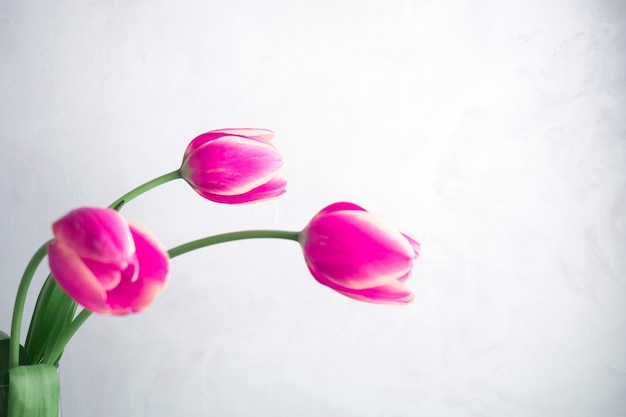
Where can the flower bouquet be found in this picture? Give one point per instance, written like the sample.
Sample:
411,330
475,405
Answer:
106,265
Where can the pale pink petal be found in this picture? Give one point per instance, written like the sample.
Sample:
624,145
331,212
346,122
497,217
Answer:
404,277
414,243
264,134
273,188
394,292
75,278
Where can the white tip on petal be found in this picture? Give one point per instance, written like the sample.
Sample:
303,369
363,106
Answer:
264,134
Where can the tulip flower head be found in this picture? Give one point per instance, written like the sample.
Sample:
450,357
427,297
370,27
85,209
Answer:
234,166
359,254
105,264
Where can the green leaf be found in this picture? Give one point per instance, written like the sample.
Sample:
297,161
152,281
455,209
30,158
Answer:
62,322
54,311
33,391
4,356
3,335
4,365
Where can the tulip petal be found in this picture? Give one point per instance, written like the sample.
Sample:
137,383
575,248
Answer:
200,141
263,134
356,249
404,277
96,233
232,165
394,292
414,243
359,254
108,283
107,275
75,278
135,293
341,206
151,255
273,188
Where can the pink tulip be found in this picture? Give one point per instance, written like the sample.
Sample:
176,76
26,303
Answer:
234,166
106,264
359,254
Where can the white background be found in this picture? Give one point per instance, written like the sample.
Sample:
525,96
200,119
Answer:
493,131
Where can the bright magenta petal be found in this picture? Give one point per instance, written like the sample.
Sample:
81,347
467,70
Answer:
232,165
127,283
260,135
96,233
357,249
108,276
359,254
135,292
200,141
151,256
341,206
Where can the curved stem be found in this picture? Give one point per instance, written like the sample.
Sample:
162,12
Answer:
42,309
69,331
170,176
20,300
39,255
65,336
228,237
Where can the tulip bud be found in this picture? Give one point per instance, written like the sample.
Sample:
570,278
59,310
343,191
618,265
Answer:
105,264
234,166
359,254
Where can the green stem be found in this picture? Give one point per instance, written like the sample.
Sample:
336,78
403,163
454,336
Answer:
170,176
20,300
228,237
32,266
65,336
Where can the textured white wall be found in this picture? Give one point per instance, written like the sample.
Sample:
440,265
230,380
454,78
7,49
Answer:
492,130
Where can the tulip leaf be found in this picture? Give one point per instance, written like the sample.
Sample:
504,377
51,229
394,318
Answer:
33,391
4,356
3,335
4,364
66,312
54,311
